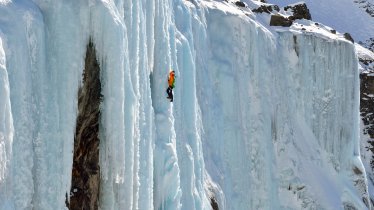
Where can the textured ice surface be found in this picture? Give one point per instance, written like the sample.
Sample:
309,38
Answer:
262,118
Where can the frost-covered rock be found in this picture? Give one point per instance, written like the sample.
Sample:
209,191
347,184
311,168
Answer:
368,6
266,8
342,15
348,37
279,20
366,58
299,11
369,44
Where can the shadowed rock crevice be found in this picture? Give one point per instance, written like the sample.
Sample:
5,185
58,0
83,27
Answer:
214,203
85,185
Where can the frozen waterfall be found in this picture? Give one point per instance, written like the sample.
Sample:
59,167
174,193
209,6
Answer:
263,117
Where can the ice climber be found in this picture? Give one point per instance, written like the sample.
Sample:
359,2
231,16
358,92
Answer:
171,81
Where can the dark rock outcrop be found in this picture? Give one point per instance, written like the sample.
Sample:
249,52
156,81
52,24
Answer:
367,115
365,62
240,4
348,37
84,194
214,203
278,20
300,11
367,105
266,8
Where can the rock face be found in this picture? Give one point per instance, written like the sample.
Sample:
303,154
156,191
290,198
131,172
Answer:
348,37
367,6
367,105
278,20
367,111
369,44
300,11
85,185
266,8
239,4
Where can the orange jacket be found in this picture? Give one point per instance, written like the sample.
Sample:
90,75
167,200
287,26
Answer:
171,79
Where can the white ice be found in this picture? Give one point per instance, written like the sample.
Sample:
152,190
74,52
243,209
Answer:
263,117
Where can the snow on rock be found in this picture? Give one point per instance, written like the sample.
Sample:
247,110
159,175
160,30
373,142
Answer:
367,5
366,58
263,117
342,15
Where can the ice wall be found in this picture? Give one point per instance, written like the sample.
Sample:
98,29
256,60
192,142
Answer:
261,119
322,132
275,114
6,129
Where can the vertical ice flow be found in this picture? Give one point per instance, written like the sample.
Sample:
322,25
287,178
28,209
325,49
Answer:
6,131
261,119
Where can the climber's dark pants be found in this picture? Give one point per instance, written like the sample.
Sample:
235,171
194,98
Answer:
169,91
